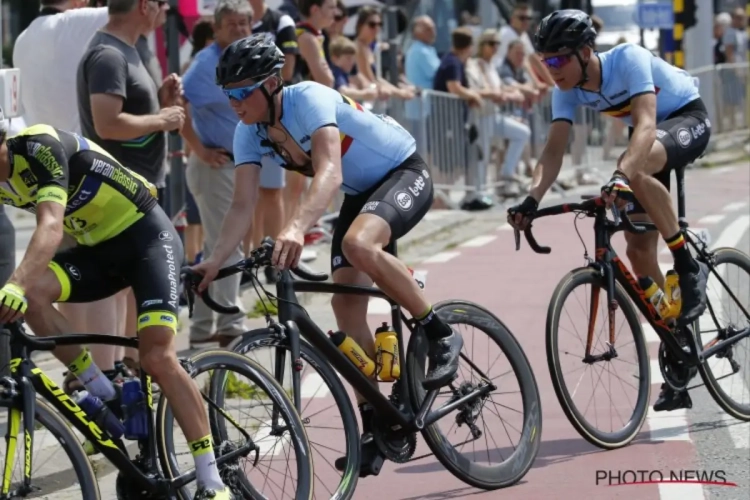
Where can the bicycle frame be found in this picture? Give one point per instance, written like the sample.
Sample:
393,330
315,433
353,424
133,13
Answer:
297,322
32,380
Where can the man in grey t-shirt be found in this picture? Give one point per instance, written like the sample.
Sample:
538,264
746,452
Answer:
120,105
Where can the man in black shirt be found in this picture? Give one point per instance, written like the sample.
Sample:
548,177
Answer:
282,27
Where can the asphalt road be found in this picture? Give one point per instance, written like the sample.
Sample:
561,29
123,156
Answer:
516,286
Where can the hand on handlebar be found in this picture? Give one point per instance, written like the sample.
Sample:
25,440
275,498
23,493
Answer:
617,191
520,215
288,248
208,269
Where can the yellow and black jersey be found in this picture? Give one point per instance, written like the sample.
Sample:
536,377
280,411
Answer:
101,197
302,70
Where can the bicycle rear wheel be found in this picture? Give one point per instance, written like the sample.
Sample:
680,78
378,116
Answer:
51,480
723,374
326,409
470,467
257,394
599,345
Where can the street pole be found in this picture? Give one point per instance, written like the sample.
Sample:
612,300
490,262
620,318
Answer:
177,169
695,41
392,30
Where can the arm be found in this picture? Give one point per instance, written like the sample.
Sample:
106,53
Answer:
455,87
363,64
239,218
286,39
643,114
326,161
310,51
550,162
535,67
43,245
368,94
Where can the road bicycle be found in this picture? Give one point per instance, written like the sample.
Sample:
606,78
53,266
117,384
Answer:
682,352
154,471
409,407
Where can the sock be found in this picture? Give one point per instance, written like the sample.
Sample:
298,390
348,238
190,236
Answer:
206,473
683,261
365,411
92,377
433,326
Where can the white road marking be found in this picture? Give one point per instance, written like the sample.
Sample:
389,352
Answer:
505,227
441,257
479,241
656,378
378,306
712,219
733,207
313,386
681,491
732,234
668,425
734,386
721,170
649,334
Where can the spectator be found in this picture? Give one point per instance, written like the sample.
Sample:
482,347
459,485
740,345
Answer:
520,20
317,16
291,9
513,73
48,52
734,79
343,56
486,80
340,18
210,170
269,212
202,37
119,102
721,23
422,62
367,31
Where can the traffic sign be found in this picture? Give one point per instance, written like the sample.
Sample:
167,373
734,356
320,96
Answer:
655,15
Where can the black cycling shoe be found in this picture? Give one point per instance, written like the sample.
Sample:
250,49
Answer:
669,399
693,290
371,459
443,360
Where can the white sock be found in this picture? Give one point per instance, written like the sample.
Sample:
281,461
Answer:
92,377
206,472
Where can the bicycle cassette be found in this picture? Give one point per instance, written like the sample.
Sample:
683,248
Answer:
675,373
398,448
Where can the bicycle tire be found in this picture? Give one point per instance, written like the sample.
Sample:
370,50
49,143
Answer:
608,441
265,337
223,360
518,464
740,412
60,429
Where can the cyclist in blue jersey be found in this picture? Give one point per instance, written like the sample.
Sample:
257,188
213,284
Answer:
669,128
314,130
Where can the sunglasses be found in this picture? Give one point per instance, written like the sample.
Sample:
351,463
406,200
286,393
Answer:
374,24
242,93
492,43
525,18
160,3
339,17
557,62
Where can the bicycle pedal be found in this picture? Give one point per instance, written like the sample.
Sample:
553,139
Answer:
373,467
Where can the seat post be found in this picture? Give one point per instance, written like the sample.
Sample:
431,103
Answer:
680,174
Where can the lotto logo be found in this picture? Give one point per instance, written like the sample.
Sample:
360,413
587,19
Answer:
418,186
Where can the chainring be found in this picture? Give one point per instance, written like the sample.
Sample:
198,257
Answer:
396,447
676,375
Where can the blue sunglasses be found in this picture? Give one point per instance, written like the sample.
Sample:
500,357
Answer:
242,93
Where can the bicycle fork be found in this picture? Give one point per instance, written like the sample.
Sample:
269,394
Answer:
612,307
15,420
292,334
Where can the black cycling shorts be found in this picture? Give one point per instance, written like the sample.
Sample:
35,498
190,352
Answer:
147,256
684,134
401,199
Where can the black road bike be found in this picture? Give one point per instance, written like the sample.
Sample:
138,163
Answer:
409,407
682,352
154,471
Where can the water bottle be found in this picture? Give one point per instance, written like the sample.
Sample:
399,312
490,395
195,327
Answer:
655,296
99,413
386,349
353,351
672,290
134,409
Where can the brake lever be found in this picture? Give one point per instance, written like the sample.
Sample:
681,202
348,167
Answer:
615,214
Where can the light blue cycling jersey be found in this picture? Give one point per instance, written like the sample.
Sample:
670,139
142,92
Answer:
371,145
629,70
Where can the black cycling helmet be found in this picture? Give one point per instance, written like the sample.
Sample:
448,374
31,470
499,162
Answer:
252,58
564,29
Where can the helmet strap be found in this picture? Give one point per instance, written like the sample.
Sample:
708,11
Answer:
584,73
271,103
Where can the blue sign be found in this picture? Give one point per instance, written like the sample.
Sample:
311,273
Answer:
655,15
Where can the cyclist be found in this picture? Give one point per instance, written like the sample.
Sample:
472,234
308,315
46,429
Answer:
669,128
125,240
312,129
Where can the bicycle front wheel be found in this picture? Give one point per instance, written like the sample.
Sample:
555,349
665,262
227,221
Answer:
50,477
490,355
249,395
725,372
583,290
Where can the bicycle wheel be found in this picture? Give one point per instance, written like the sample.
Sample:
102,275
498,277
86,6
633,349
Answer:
722,374
326,408
633,422
469,467
51,480
250,397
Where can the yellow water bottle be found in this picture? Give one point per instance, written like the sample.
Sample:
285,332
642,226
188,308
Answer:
655,296
386,349
672,290
353,351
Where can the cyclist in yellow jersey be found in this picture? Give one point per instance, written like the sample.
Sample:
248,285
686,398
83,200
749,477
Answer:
125,240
